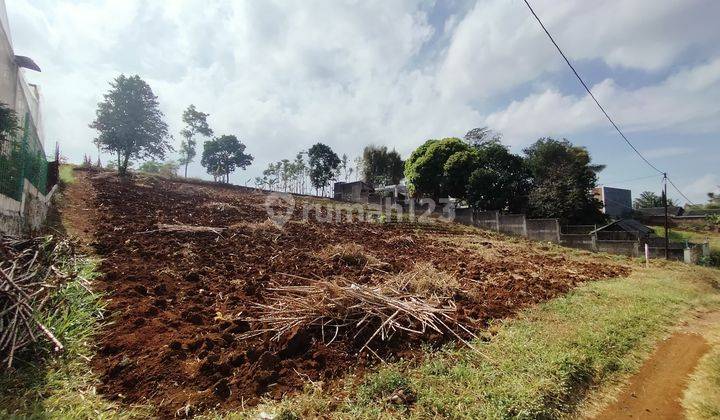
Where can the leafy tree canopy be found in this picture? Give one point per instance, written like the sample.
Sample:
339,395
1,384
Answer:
482,135
425,168
8,123
195,124
323,163
129,122
381,167
563,179
168,168
223,155
500,180
650,199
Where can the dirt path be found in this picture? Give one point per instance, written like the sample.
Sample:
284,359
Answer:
656,390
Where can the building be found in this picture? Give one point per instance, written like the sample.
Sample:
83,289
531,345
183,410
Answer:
617,202
357,191
656,215
24,197
398,193
623,230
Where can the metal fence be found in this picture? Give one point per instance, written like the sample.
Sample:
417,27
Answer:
22,158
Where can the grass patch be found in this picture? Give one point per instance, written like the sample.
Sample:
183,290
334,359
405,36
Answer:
544,363
51,386
702,397
67,176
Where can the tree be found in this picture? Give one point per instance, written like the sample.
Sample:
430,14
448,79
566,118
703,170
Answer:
347,170
8,123
563,179
322,162
482,135
168,168
650,199
425,168
500,181
129,122
195,123
223,155
380,167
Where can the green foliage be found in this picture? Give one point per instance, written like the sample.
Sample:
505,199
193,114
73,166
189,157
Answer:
323,163
650,199
563,179
168,168
195,123
425,168
381,167
223,155
129,122
482,136
9,127
458,168
501,181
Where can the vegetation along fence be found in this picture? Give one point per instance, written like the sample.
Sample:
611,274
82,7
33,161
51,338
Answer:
24,194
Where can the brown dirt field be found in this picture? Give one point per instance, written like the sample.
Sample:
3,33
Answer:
177,299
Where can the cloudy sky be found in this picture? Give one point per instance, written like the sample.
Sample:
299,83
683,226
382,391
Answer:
284,75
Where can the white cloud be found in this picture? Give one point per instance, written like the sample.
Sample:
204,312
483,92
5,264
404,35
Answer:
685,102
697,190
282,75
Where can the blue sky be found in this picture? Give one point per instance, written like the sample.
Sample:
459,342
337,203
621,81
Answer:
284,75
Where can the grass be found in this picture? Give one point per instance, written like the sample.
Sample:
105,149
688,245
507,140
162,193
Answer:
686,235
67,176
541,365
62,386
702,395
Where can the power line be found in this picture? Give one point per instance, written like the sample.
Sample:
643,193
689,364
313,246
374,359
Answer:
680,192
582,82
588,89
624,181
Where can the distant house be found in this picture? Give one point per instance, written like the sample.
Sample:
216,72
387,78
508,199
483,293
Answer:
623,230
656,215
617,202
398,192
357,191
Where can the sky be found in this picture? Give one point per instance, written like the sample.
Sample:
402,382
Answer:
283,75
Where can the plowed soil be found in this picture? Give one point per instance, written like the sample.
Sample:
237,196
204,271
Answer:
177,299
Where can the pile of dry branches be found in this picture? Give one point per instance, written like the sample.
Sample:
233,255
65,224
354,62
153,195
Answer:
334,305
25,267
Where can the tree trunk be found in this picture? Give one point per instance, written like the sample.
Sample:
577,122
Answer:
186,165
123,168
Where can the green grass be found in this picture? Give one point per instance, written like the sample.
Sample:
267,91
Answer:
686,235
67,176
702,397
541,365
62,386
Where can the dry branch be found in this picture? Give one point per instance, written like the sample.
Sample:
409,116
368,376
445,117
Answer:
25,266
379,311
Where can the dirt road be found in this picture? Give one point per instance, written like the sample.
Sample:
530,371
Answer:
655,392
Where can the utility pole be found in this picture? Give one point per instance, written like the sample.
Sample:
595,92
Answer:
665,203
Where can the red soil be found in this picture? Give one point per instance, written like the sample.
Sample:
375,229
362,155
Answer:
176,299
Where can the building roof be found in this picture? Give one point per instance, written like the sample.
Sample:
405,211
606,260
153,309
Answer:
660,211
628,225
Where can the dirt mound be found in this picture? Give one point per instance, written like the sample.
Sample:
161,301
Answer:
180,298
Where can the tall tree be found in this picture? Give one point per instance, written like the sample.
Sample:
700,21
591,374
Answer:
323,163
195,124
381,167
500,181
482,135
563,179
650,199
129,122
346,168
425,168
223,155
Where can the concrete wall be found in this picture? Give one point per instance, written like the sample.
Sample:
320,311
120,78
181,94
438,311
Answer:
546,230
513,224
28,215
629,248
487,220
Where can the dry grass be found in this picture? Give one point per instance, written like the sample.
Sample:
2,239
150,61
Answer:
401,241
348,253
266,224
426,280
219,206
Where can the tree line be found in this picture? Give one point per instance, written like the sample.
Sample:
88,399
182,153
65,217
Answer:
131,127
551,178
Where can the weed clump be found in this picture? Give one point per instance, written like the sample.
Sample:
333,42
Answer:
349,253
